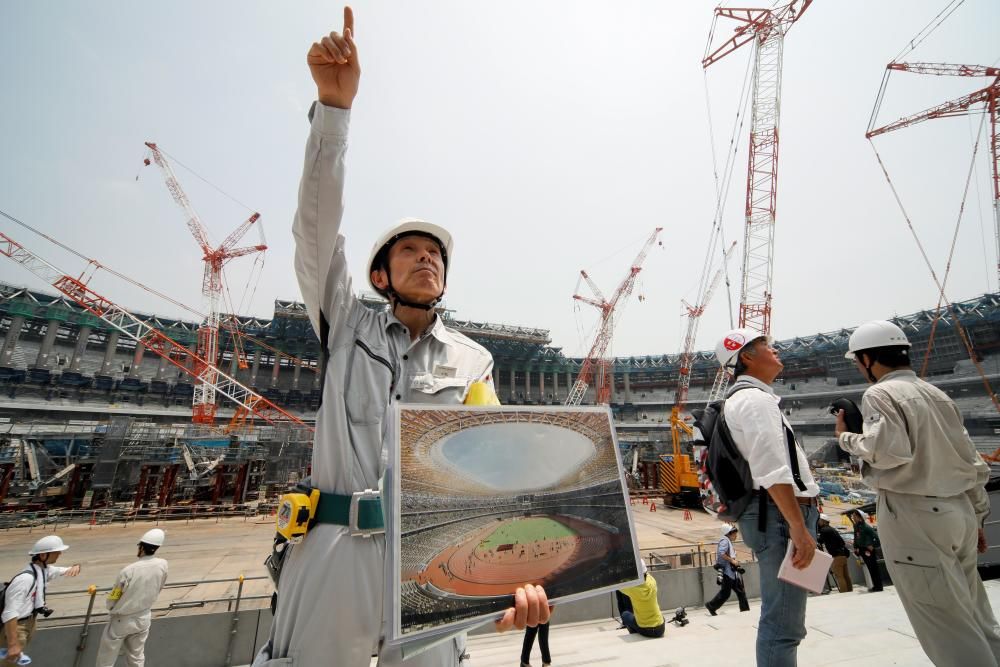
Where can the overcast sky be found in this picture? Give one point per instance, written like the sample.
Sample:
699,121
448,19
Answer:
548,136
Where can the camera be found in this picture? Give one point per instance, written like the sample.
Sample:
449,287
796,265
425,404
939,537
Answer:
44,611
680,617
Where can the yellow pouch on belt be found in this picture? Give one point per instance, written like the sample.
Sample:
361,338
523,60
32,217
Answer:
480,393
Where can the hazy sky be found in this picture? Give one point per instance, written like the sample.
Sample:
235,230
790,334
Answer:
512,457
548,136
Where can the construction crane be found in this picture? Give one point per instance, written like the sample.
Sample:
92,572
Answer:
989,96
143,334
766,28
678,476
596,368
203,402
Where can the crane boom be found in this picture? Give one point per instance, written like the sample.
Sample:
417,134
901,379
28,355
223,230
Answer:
143,334
596,363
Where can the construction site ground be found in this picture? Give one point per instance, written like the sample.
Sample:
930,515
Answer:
219,550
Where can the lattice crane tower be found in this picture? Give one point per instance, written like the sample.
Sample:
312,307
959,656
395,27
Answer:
207,350
766,28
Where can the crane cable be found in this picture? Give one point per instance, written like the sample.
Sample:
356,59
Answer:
958,325
951,251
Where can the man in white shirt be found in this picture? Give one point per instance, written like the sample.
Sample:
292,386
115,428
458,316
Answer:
786,507
915,451
24,597
130,603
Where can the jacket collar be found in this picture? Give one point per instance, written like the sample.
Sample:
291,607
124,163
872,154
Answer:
901,373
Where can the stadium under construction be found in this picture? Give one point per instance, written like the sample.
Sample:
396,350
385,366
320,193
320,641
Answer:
91,420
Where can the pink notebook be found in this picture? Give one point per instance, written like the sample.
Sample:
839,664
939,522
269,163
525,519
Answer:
811,578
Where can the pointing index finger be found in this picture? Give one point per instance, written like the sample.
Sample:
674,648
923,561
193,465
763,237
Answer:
348,20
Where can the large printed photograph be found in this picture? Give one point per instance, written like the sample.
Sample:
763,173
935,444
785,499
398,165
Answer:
489,499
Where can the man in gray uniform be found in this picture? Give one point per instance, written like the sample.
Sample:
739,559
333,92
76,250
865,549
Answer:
930,480
331,607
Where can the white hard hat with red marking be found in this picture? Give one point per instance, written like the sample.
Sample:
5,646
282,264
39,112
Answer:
729,347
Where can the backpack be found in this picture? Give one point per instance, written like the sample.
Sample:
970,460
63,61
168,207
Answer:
6,585
725,466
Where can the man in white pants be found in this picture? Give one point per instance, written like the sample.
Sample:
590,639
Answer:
129,604
932,502
332,603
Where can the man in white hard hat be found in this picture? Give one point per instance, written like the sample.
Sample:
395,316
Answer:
916,453
785,508
24,596
130,601
730,570
333,602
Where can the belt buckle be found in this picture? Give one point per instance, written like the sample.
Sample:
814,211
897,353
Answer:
352,514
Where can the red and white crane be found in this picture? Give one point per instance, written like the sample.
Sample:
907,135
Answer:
596,368
143,334
988,96
766,28
207,349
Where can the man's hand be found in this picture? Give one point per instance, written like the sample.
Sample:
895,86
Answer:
333,63
841,424
531,608
982,546
73,570
805,546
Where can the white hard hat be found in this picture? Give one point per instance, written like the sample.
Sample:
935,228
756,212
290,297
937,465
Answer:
47,545
730,345
727,529
824,517
154,537
878,333
405,227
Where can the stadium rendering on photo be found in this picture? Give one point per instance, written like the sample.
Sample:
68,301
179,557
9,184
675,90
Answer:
490,499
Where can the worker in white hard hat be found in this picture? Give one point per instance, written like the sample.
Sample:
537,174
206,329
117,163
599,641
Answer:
333,603
130,602
24,596
915,451
729,570
785,508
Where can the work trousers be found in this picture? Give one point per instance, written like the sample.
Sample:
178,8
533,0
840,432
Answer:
841,574
874,573
129,632
729,586
25,630
930,550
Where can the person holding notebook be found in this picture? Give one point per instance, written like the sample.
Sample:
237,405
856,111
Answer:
786,508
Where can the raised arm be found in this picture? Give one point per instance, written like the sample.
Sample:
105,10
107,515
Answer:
319,248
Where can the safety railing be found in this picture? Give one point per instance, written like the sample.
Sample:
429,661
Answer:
91,616
52,519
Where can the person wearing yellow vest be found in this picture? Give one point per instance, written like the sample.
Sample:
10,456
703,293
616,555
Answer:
644,618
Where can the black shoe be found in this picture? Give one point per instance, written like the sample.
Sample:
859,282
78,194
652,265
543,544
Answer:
711,611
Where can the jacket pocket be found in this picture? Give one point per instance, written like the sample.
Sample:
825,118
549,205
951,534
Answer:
917,570
370,381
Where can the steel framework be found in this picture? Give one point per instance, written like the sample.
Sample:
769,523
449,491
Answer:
141,332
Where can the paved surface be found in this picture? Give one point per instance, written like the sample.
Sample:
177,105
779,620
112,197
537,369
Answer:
857,628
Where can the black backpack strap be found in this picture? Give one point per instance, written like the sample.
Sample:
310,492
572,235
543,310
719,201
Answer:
793,458
33,572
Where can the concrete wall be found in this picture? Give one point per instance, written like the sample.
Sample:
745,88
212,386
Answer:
201,640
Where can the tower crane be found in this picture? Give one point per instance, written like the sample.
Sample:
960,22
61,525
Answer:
143,334
766,28
596,368
680,477
988,96
207,349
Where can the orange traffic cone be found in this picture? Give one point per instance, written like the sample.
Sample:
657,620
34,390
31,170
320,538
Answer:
645,500
687,515
652,507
